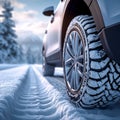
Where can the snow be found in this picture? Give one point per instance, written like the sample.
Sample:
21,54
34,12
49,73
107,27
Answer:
10,51
103,73
92,37
9,83
118,68
94,74
94,54
26,95
8,66
93,83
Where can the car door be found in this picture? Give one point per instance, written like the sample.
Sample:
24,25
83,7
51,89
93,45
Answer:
53,32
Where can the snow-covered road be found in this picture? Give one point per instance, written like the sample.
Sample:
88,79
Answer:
26,95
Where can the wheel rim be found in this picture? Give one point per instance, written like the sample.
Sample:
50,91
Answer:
74,61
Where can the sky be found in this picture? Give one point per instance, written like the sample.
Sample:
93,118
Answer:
28,15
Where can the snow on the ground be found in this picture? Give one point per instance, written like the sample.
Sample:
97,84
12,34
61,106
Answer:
57,92
10,81
7,66
26,95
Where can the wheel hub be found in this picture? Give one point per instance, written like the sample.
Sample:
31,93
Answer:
76,60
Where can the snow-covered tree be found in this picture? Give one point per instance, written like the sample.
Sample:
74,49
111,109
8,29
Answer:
3,43
21,55
12,48
30,57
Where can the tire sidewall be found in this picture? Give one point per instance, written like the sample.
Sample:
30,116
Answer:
75,25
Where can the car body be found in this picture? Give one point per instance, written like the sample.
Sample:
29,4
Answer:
106,16
107,21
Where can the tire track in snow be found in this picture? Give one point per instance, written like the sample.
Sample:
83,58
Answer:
56,89
10,82
45,98
33,102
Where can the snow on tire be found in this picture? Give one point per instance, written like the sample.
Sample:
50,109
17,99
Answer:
92,78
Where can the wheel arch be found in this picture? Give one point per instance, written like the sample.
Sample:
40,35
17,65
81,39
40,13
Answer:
71,11
81,7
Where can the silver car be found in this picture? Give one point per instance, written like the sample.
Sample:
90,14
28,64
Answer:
83,37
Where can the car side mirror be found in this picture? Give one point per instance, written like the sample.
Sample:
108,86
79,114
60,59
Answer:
49,11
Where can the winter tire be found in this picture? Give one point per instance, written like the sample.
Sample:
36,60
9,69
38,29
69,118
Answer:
92,78
48,70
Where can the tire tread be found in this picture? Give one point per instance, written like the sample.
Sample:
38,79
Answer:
103,85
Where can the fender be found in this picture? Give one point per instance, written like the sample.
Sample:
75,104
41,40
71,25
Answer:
107,19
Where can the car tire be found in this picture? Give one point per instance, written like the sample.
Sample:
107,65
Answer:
92,78
47,69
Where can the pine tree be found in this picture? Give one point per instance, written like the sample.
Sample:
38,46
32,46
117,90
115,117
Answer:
9,34
3,43
30,57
